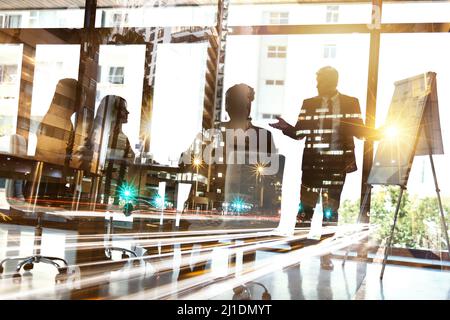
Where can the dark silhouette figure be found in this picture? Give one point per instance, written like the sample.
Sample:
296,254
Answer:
107,147
329,122
234,162
55,135
238,104
243,181
230,179
55,145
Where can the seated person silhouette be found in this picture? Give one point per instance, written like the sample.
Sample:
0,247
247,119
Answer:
107,149
56,138
238,152
235,151
55,143
55,135
107,152
249,154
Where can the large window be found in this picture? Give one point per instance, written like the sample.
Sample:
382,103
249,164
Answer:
415,11
42,14
150,13
178,101
403,56
53,63
8,73
10,70
166,65
298,74
292,13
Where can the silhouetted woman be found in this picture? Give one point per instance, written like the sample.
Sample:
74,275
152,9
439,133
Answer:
107,145
55,134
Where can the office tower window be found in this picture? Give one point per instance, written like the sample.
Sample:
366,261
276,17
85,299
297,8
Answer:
8,74
329,51
119,20
276,52
13,20
34,18
275,82
116,75
269,116
332,14
278,18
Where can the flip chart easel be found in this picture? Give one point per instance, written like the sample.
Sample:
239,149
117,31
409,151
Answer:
412,129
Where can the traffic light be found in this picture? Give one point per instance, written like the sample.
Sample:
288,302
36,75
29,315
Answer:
239,205
127,193
328,213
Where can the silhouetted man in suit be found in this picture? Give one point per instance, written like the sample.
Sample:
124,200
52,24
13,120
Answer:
329,122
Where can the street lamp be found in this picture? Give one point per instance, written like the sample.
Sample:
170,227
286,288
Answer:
197,163
259,169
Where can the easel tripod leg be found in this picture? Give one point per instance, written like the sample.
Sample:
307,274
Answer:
391,236
444,224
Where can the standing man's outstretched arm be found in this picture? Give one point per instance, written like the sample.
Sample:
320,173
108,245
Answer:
287,129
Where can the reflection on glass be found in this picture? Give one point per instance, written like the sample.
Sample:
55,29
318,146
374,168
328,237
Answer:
155,13
415,11
403,56
107,140
10,70
53,62
237,162
42,14
122,73
292,13
178,99
295,72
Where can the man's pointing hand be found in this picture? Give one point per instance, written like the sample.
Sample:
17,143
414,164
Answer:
280,125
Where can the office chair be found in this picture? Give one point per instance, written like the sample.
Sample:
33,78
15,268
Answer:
27,263
242,292
16,200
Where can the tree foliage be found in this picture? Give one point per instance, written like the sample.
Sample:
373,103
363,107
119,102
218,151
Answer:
418,224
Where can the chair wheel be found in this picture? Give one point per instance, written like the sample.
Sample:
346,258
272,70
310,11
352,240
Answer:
61,278
28,266
136,262
17,278
62,271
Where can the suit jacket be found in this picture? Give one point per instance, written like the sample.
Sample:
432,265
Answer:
350,125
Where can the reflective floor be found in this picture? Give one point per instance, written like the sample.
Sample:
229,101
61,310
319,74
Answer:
138,259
